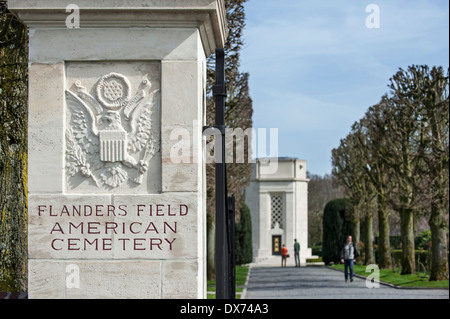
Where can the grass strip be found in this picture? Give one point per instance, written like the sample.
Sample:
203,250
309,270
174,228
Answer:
419,280
241,277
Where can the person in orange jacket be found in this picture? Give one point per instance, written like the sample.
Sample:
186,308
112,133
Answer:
284,255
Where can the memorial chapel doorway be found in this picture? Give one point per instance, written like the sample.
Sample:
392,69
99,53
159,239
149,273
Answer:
276,245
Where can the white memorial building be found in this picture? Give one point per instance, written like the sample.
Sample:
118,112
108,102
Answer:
278,201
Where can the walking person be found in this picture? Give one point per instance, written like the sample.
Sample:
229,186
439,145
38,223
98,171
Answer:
348,258
297,252
284,255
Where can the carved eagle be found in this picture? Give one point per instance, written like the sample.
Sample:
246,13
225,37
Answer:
110,133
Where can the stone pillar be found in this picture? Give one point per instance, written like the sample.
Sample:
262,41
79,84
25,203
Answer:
301,200
265,209
116,185
289,225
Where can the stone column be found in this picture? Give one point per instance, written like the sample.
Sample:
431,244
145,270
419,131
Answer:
265,239
301,200
115,176
289,224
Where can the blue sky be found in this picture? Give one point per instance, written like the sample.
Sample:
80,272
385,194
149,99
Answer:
315,68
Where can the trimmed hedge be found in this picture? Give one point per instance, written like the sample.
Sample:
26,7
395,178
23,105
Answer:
395,241
244,246
424,256
421,241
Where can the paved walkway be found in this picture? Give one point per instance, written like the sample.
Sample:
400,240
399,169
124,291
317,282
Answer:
318,282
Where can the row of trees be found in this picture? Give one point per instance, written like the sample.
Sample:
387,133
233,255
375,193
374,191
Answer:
396,158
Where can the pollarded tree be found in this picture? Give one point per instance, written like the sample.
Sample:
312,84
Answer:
436,106
405,129
362,144
426,89
374,144
347,171
349,163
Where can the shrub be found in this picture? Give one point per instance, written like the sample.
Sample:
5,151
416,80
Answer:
423,240
244,246
317,250
423,256
395,241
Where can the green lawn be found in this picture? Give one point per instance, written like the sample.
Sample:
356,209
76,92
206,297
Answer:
241,276
395,278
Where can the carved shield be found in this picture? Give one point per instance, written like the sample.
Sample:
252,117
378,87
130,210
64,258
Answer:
113,146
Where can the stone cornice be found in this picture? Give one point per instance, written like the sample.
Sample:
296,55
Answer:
208,16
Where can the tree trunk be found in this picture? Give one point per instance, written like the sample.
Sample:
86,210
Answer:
384,247
407,230
356,234
439,248
368,243
13,222
13,152
439,209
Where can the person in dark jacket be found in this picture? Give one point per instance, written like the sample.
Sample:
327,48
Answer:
348,258
297,252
